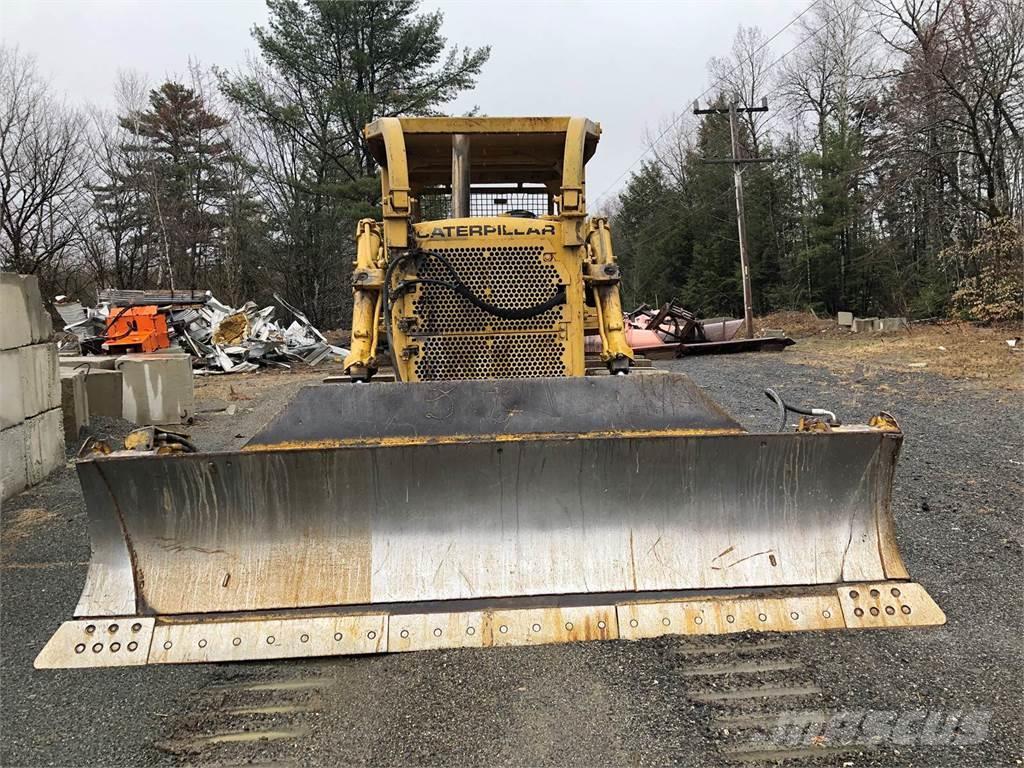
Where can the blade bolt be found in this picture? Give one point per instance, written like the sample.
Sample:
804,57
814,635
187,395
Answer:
304,638
437,631
894,592
112,628
202,643
115,647
90,629
404,633
890,610
905,609
762,617
136,627
858,611
80,648
132,645
97,647
237,641
875,593
873,611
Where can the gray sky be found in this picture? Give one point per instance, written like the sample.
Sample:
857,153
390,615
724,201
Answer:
628,65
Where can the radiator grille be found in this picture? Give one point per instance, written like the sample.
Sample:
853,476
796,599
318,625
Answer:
504,356
512,277
461,341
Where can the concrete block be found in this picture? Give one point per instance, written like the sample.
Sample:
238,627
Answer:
40,378
865,324
844,319
74,403
157,389
40,321
15,317
45,444
89,362
103,390
889,324
13,460
12,399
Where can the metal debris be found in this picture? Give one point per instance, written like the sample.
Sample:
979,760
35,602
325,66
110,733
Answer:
220,338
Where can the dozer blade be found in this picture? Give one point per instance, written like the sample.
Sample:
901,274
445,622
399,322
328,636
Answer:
406,516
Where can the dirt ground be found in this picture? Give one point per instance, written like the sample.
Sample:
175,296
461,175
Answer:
669,701
956,350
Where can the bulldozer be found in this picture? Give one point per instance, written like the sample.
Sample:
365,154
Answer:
475,479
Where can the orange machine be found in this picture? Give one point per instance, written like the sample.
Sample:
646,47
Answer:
136,329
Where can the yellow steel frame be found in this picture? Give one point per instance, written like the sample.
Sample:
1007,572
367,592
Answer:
582,248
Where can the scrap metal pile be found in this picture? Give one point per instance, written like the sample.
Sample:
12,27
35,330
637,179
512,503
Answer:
672,331
219,337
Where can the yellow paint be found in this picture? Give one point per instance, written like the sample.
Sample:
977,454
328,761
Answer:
623,616
414,154
410,440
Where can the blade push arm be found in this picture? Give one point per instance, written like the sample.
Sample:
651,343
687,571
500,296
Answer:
367,286
602,275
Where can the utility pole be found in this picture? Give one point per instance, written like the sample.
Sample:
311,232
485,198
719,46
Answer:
737,163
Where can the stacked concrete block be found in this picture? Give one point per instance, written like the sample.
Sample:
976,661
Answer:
157,388
88,362
890,324
31,426
74,402
865,324
103,389
844,319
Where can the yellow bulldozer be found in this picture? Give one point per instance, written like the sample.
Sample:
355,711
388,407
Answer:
500,487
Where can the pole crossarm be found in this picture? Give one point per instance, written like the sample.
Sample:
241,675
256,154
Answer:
737,164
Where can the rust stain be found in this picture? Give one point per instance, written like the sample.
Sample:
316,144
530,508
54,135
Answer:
408,440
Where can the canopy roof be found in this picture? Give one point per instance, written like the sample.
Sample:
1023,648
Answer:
502,149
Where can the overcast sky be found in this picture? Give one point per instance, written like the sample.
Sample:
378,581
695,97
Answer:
628,65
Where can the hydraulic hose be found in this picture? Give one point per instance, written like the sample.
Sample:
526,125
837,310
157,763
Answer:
783,407
457,285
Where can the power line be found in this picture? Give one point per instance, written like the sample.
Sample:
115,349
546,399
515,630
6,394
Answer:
706,204
708,90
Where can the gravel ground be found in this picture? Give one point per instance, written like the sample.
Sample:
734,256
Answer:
957,504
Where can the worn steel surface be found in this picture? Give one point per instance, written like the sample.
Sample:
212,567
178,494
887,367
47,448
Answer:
362,525
484,624
511,407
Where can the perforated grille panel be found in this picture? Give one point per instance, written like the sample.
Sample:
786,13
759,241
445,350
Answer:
504,356
461,341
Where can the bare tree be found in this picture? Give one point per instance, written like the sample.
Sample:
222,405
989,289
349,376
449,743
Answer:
744,77
962,89
831,75
42,170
